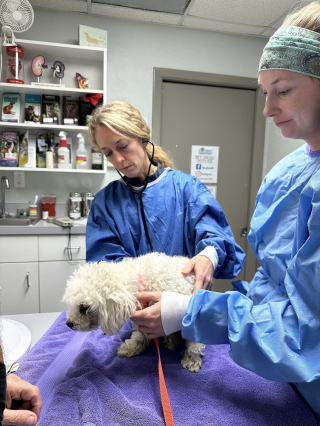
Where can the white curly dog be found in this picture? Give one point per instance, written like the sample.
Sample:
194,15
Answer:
104,294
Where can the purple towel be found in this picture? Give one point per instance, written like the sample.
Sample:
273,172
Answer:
84,383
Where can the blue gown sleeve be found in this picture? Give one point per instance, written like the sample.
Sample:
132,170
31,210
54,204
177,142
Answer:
208,226
102,236
277,339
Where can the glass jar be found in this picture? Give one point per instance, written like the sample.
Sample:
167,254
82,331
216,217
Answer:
75,205
87,199
15,71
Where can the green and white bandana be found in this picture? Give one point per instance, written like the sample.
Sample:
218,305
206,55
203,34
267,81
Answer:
293,49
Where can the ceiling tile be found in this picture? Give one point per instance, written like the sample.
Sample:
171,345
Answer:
206,24
65,5
256,12
166,6
134,14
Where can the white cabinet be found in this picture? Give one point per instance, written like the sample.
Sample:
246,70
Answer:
34,271
58,258
53,277
16,248
19,274
19,288
58,247
91,62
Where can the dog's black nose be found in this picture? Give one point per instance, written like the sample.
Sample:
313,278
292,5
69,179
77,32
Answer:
69,324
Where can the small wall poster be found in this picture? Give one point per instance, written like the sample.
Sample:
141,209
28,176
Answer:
93,37
204,163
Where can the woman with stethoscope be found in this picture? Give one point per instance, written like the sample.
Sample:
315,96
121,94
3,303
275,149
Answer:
154,207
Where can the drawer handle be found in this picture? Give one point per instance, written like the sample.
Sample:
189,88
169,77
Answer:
74,263
72,248
28,282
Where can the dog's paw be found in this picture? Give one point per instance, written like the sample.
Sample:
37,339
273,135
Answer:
191,362
132,347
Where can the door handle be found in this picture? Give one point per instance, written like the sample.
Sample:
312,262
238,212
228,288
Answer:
28,282
244,231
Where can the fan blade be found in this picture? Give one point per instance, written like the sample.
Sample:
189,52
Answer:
12,5
7,18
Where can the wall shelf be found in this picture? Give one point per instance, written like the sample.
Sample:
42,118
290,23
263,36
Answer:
90,62
46,90
40,127
37,169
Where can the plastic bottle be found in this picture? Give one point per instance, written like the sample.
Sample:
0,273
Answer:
63,152
96,160
81,153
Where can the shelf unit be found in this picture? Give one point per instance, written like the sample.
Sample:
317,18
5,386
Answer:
91,62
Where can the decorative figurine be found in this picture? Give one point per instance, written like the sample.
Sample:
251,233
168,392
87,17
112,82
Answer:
83,82
37,66
58,70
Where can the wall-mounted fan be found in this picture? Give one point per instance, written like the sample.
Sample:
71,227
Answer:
15,16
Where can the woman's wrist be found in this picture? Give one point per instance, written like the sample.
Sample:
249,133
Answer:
173,309
211,253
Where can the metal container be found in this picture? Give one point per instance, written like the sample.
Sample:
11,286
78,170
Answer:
75,205
87,198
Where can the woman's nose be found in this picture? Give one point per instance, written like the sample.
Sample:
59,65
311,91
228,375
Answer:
270,107
118,157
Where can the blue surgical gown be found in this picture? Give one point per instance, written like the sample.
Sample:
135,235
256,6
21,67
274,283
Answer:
182,219
273,323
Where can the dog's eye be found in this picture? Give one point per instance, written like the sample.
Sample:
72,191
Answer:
83,309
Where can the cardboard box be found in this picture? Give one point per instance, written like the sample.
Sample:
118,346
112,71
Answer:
50,109
9,149
32,109
23,148
11,107
70,110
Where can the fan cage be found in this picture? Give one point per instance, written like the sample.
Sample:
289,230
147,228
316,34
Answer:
7,18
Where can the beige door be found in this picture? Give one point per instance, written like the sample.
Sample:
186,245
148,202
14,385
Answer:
207,115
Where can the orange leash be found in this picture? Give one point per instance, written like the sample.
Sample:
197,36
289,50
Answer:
168,417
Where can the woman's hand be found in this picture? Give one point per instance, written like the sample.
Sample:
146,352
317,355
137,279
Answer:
149,319
202,268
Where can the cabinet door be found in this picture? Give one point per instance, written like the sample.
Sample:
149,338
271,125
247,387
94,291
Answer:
53,277
19,288
58,247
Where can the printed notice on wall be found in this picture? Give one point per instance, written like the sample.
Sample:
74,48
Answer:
204,163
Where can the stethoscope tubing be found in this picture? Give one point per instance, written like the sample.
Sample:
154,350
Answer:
139,192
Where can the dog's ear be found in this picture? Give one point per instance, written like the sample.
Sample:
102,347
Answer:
83,309
116,311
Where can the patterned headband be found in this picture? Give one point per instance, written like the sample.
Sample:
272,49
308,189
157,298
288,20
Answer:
293,49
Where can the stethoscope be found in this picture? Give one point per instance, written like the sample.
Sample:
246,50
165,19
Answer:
139,192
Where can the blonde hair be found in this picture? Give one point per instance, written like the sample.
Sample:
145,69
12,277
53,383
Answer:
126,120
308,17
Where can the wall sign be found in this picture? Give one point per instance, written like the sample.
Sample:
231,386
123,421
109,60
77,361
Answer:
204,163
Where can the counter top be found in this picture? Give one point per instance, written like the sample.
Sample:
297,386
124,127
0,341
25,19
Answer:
45,228
38,324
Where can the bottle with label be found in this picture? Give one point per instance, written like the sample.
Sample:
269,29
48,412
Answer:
96,159
81,153
63,152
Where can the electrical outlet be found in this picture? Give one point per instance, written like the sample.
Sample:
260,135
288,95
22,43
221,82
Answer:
19,179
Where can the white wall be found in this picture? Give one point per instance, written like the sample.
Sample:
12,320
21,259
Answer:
276,146
134,50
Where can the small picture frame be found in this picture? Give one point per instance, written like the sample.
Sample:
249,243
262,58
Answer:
93,37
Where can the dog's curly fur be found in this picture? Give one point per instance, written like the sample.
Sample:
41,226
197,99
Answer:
104,294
